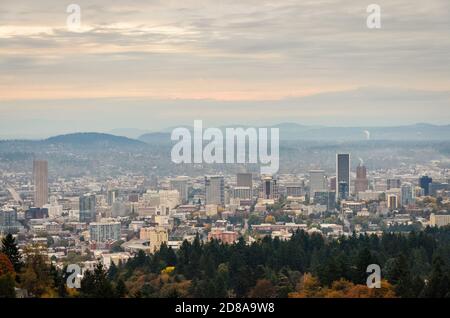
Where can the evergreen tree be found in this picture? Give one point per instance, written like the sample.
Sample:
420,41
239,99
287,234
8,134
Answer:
7,285
438,285
121,289
363,259
95,284
400,276
9,248
112,271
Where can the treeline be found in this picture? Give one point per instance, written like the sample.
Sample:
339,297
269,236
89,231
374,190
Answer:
309,265
414,265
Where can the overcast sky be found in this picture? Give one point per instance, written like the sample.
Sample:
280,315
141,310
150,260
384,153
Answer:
156,64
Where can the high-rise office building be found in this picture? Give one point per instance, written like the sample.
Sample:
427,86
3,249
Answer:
333,184
361,182
342,176
327,198
424,183
40,177
181,185
392,200
8,221
104,231
87,208
408,195
435,187
269,188
112,196
169,199
244,180
393,183
294,190
317,181
36,213
244,193
215,190
155,235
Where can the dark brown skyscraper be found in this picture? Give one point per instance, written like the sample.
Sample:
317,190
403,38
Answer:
361,182
40,176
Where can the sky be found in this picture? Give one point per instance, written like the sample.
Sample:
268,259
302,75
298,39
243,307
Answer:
162,63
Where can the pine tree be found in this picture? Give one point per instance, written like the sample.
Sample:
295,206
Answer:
363,259
401,277
112,271
95,284
9,248
121,289
438,285
7,285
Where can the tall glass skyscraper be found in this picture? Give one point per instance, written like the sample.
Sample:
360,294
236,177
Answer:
342,176
87,208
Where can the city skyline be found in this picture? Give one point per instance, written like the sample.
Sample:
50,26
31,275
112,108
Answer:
248,150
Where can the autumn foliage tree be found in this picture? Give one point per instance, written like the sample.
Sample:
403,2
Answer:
309,287
7,275
35,276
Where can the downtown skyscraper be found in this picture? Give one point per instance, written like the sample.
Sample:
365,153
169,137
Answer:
361,182
40,180
342,176
215,190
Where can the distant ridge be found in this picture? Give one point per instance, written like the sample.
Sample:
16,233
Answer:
288,131
91,138
158,138
294,131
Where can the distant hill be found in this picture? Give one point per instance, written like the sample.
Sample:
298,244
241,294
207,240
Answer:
288,131
132,133
156,138
294,131
402,133
91,138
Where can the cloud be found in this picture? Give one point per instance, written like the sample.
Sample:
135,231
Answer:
255,51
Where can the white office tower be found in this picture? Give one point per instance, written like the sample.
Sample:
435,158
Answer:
54,210
181,185
169,198
408,194
215,190
151,198
317,182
